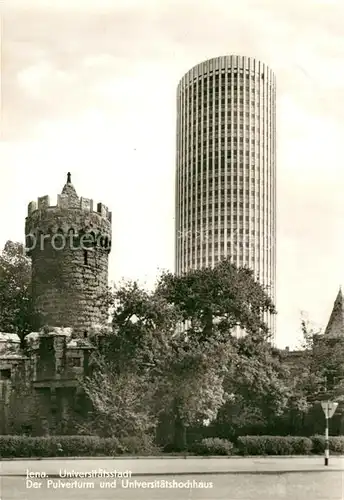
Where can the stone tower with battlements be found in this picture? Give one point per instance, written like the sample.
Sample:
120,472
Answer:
69,245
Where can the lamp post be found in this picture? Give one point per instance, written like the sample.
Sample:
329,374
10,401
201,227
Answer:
329,408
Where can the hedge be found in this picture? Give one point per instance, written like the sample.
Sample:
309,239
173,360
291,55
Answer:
336,444
212,446
87,446
67,446
274,445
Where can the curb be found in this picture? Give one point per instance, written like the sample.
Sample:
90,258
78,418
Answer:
166,457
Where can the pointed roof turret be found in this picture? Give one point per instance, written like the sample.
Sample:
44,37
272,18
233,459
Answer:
335,326
69,190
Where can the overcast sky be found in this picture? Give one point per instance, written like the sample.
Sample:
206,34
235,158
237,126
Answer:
89,86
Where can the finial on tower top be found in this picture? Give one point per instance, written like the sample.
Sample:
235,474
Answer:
69,190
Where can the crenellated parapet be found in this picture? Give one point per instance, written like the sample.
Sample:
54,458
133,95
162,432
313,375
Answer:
72,217
87,205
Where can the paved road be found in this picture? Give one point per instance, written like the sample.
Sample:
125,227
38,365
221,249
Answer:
164,466
287,486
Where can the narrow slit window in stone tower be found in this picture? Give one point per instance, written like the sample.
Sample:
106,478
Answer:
85,257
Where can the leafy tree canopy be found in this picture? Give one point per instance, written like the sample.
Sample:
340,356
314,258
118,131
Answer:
215,300
16,311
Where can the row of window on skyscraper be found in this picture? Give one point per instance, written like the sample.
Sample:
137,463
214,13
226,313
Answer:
230,130
237,191
254,113
221,243
249,251
236,128
213,206
217,133
204,181
240,103
195,246
217,163
204,91
216,99
216,192
229,153
217,256
203,176
217,167
221,231
215,217
201,124
219,143
227,78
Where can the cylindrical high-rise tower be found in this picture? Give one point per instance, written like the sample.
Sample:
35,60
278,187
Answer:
226,167
69,246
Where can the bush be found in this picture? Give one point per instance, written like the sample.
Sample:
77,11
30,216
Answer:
139,445
212,446
274,445
300,445
67,446
336,444
318,444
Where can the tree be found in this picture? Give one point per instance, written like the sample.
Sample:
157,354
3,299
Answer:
179,376
142,324
322,370
212,302
192,388
257,382
122,403
130,361
317,374
16,306
185,366
327,362
216,300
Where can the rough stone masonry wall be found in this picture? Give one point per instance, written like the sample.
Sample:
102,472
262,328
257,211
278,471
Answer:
43,394
69,285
